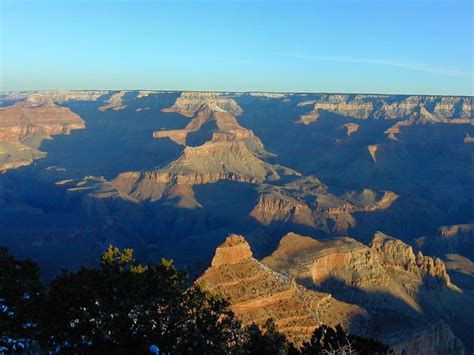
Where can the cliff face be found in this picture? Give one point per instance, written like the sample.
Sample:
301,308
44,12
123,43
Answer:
257,293
190,103
420,108
387,266
307,202
388,279
25,124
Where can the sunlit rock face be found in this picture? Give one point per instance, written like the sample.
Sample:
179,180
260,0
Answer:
420,108
388,278
25,124
257,293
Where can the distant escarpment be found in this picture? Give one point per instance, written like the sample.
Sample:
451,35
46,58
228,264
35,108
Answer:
257,293
25,124
422,109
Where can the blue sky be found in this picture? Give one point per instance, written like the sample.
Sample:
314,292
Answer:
397,46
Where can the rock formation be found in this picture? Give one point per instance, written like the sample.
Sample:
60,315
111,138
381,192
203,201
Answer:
257,293
423,108
307,202
207,108
351,128
387,266
114,102
25,124
190,103
387,278
372,149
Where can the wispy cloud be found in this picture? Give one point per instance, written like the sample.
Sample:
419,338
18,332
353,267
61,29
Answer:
388,62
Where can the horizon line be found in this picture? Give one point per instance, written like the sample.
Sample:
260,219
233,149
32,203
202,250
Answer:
247,92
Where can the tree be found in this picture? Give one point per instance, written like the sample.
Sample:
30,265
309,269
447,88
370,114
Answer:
327,340
267,340
20,302
127,307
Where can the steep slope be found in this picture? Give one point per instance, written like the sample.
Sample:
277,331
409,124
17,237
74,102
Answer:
219,159
257,293
387,278
306,201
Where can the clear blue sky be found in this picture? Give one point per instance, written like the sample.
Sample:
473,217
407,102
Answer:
392,46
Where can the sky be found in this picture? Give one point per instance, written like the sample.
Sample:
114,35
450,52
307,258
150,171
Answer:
360,46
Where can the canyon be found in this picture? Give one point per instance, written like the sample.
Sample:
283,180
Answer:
340,198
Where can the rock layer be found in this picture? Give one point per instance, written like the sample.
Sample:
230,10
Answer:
257,293
25,124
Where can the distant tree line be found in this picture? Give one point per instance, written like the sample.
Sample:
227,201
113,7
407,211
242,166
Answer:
127,308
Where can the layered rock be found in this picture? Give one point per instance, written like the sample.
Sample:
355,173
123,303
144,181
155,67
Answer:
211,108
387,278
57,96
257,293
25,124
190,103
387,266
219,159
422,108
114,102
307,202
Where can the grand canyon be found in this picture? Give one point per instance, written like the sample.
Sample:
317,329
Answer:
352,209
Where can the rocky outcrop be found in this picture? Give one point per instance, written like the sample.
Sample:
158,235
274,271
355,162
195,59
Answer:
306,202
25,124
388,266
211,108
372,149
351,128
216,160
387,278
190,103
451,239
114,102
257,293
281,208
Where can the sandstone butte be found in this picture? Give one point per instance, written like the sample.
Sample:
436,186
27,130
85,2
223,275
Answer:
257,293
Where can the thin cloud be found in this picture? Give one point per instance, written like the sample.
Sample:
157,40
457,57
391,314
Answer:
387,62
